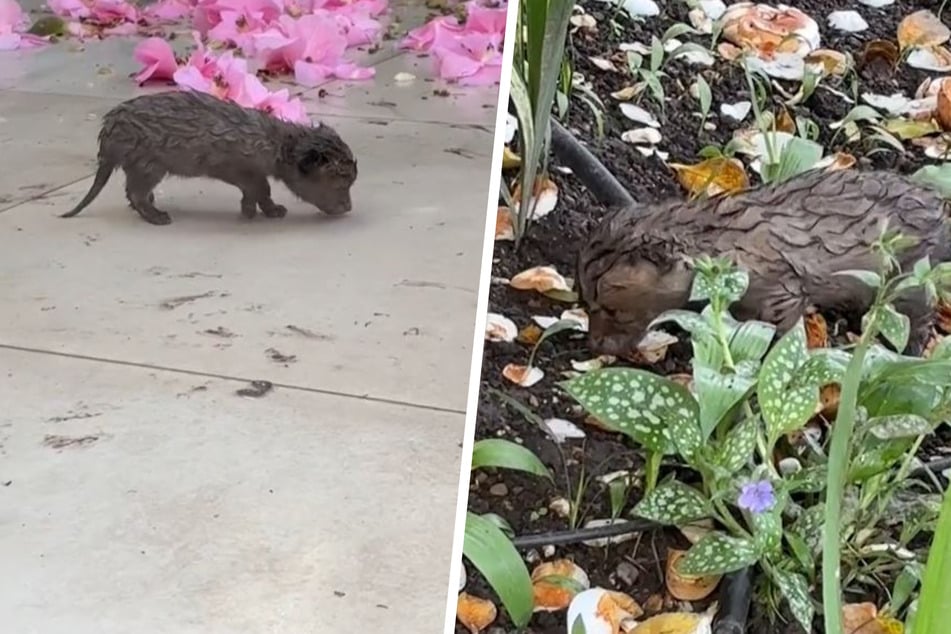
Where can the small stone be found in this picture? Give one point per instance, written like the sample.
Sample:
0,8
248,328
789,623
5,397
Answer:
499,489
627,573
548,551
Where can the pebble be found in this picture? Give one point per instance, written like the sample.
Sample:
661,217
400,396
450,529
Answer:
499,489
627,573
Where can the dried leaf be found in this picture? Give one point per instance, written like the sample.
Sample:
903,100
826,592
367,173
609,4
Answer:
627,93
832,62
817,332
474,613
860,618
922,29
944,316
510,159
504,228
544,198
556,583
785,122
836,162
879,52
639,115
829,397
675,623
530,335
522,375
652,348
716,175
943,110
687,587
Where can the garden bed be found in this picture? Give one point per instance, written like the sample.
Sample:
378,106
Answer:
636,566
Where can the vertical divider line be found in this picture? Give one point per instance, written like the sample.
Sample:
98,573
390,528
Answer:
482,307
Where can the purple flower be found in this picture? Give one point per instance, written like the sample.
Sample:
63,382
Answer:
757,497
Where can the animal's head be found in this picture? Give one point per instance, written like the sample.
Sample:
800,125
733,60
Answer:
322,169
628,295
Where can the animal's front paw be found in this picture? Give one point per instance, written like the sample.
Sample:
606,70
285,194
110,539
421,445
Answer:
157,218
275,211
248,210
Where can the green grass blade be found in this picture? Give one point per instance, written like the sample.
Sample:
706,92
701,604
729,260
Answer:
497,452
934,603
491,552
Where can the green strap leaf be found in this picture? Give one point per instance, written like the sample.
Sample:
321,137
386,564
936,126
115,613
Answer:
493,554
498,452
718,394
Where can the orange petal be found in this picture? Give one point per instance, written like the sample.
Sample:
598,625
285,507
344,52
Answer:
833,62
687,587
523,375
879,52
716,175
943,111
541,279
615,607
944,316
549,588
922,29
768,30
860,618
829,397
475,613
544,197
504,229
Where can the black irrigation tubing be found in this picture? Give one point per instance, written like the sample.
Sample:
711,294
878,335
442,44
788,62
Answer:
735,595
558,538
589,170
932,466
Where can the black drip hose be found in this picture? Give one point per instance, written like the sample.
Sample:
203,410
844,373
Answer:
589,170
557,538
736,591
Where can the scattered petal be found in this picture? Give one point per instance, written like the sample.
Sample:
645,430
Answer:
504,227
716,176
603,64
642,136
922,29
877,4
714,9
850,21
686,587
500,328
556,583
511,127
791,66
677,623
544,200
522,375
627,93
562,430
463,575
639,115
157,58
653,346
602,611
768,30
404,78
541,279
510,160
474,613
641,8
593,364
936,59
583,21
895,104
736,111
829,62
579,315
836,162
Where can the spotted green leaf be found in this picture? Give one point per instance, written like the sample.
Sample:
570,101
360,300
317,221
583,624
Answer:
808,526
801,551
718,554
893,325
737,448
824,366
898,426
768,530
718,393
639,404
728,286
795,589
786,408
750,341
809,480
674,504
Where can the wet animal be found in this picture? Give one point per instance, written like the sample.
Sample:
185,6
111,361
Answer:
791,238
192,134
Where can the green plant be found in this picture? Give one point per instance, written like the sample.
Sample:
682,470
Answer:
935,594
747,397
537,69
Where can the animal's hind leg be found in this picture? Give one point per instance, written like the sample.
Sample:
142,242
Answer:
139,184
256,192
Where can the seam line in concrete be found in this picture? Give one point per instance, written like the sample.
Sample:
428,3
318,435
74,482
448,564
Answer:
227,377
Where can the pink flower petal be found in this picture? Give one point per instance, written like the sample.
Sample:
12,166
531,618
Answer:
191,78
69,8
351,71
167,10
438,31
310,74
157,58
12,18
485,19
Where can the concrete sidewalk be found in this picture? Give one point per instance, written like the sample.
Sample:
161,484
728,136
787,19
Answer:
139,492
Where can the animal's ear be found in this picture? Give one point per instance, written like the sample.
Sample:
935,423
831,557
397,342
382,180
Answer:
311,161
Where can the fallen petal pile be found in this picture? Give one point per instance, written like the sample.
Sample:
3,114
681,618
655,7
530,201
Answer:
13,26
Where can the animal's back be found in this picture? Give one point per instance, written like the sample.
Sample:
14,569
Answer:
188,133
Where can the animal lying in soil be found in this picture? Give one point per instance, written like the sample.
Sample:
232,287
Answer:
193,134
791,238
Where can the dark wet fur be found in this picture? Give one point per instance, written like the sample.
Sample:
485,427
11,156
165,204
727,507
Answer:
192,134
791,238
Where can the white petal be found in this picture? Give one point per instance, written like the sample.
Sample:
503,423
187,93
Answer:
639,115
789,66
562,429
462,575
404,77
736,111
500,328
579,315
876,4
646,8
849,21
602,63
642,136
713,8
635,47
926,59
544,322
593,364
892,104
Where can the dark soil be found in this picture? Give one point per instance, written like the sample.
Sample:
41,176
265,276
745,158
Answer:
524,500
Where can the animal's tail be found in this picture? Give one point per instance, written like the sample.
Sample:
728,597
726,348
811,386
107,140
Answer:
105,170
